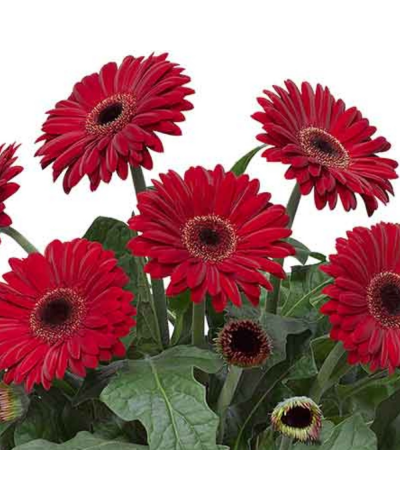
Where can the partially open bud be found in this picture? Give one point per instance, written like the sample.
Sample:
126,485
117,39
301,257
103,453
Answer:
244,343
13,402
299,418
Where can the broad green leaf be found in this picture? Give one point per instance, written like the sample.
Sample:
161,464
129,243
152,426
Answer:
114,235
278,329
266,441
303,253
241,165
82,441
386,413
163,395
306,283
51,417
41,421
95,381
352,434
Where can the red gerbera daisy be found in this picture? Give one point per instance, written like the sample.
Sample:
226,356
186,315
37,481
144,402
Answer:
364,305
7,172
64,310
329,148
111,120
211,232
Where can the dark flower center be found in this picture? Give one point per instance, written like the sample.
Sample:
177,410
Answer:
323,145
383,298
390,296
56,312
110,113
209,237
57,315
323,148
298,417
246,341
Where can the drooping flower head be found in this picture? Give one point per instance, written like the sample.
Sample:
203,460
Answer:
211,232
65,310
364,305
298,418
7,172
112,118
13,402
244,343
329,148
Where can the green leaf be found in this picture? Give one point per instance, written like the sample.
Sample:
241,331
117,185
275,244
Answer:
386,413
306,283
181,307
114,235
82,441
278,329
241,165
163,395
303,253
41,421
352,434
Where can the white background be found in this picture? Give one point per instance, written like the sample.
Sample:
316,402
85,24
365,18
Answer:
232,50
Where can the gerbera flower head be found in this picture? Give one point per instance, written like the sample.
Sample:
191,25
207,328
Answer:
112,118
364,305
244,343
298,418
211,232
329,148
66,309
7,172
13,402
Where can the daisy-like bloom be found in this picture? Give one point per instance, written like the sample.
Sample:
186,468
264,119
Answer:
244,343
329,148
298,418
364,305
13,402
211,232
112,118
64,310
7,172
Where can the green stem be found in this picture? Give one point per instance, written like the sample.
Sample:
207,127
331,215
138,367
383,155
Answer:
160,303
20,239
198,324
272,302
64,386
322,381
226,396
138,179
286,443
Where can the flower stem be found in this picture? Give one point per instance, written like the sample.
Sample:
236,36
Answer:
20,239
322,380
272,302
160,303
286,443
138,180
226,396
198,324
